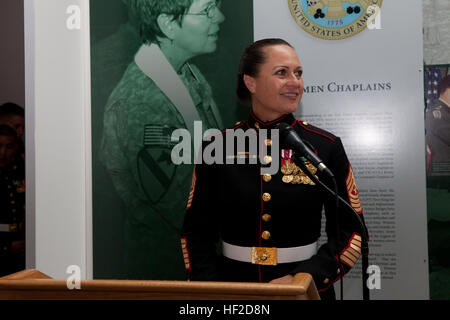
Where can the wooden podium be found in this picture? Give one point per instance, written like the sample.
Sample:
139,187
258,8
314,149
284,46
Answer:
34,285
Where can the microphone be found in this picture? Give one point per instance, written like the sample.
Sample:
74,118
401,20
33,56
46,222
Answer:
291,138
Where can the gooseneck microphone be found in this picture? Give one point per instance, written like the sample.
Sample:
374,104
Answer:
291,138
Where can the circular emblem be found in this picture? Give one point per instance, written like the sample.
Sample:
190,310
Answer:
334,19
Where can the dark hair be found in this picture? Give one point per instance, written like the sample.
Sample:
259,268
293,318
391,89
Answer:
147,12
444,84
8,131
11,108
250,62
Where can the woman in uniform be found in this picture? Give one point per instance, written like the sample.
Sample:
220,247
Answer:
268,225
160,91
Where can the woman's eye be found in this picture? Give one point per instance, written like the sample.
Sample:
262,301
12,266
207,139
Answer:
299,73
280,72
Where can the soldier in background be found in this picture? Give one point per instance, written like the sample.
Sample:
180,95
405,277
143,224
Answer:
438,132
438,189
12,203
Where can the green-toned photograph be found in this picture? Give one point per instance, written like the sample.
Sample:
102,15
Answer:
157,66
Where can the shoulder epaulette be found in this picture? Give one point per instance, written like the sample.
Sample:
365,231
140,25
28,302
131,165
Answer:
239,124
313,129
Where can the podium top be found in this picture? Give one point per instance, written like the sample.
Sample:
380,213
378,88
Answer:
33,284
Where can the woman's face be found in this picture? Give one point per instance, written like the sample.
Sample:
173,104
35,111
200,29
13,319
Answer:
278,87
199,33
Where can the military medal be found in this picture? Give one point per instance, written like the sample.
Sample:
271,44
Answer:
286,169
288,178
286,166
292,173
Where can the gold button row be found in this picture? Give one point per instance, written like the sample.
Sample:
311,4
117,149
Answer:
266,196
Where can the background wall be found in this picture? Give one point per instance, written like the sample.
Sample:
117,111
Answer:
12,75
58,137
59,94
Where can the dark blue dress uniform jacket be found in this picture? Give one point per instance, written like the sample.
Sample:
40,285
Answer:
226,203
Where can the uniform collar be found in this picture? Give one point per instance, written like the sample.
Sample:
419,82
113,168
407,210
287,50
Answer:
257,124
444,102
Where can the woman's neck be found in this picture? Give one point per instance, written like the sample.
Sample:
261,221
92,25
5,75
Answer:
266,116
176,56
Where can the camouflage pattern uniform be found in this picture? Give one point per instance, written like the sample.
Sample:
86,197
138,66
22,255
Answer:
155,191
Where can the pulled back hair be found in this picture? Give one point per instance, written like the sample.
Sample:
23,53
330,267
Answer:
11,108
147,12
250,62
444,84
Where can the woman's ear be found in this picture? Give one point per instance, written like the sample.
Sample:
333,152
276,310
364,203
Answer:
250,83
167,25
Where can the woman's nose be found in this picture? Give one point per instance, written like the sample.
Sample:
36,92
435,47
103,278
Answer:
294,80
219,17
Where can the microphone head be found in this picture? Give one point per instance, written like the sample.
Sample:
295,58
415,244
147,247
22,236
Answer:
285,129
289,136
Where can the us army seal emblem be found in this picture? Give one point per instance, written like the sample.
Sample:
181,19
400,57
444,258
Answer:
334,19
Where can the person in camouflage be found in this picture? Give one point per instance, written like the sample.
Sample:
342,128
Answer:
139,119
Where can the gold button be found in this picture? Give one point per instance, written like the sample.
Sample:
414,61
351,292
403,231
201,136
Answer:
266,217
267,177
305,123
267,159
265,235
266,197
237,123
257,125
326,280
338,271
268,142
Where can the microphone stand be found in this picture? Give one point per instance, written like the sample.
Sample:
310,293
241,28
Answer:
364,237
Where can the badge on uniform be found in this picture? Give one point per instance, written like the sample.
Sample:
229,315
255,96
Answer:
293,174
436,114
154,165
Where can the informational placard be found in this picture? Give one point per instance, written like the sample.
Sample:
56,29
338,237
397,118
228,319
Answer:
368,89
